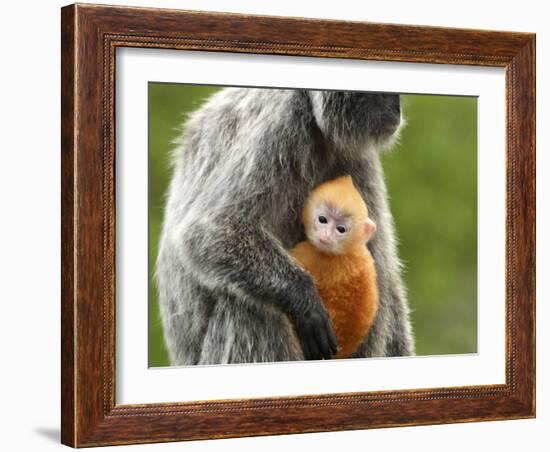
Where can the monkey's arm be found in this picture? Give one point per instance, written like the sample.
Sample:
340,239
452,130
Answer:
246,260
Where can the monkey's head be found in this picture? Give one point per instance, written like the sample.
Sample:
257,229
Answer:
336,219
352,120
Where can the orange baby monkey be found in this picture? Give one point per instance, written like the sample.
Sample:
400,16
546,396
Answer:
337,227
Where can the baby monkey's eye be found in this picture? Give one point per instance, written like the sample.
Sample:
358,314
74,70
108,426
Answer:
322,219
341,229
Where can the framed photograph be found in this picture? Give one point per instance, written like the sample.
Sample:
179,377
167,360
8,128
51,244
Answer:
282,225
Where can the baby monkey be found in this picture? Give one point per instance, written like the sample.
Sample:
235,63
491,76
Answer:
335,254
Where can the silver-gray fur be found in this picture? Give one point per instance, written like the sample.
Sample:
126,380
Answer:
229,292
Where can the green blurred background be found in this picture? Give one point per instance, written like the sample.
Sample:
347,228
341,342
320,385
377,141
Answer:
432,181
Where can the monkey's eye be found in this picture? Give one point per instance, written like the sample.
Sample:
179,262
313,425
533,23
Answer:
323,219
341,229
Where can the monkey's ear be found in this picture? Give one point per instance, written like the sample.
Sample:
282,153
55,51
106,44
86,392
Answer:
369,228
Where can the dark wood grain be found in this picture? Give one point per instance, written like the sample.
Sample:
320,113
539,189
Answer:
68,310
90,36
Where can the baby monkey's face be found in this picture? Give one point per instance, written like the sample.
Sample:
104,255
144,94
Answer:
332,230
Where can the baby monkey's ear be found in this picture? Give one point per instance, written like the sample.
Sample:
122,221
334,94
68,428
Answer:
370,229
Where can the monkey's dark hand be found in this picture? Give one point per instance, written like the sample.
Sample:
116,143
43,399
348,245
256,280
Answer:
315,332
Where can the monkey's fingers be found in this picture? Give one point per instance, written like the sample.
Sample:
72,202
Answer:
333,342
311,351
323,343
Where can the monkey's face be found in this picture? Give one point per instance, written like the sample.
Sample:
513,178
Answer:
390,114
383,117
336,231
352,119
330,229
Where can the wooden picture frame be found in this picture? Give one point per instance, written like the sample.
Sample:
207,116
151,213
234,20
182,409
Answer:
90,36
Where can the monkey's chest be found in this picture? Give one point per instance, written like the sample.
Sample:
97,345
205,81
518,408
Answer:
351,304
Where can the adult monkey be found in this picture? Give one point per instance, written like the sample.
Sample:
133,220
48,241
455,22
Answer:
228,290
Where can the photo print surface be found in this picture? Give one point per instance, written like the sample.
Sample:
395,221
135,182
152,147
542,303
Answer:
293,224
